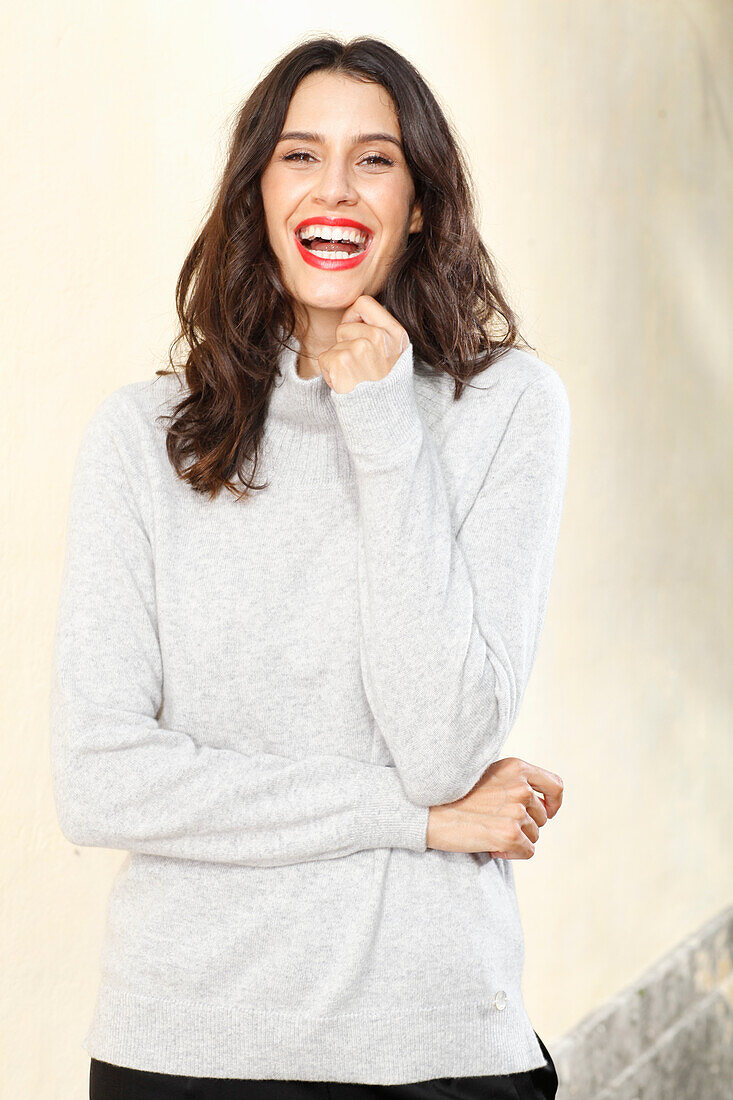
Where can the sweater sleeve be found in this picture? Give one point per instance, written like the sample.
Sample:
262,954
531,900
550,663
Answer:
121,780
450,621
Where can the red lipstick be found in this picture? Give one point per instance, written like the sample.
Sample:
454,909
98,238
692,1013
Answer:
315,260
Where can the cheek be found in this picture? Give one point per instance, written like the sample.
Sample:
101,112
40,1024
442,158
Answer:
274,195
392,208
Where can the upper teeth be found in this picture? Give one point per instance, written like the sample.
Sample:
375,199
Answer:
332,233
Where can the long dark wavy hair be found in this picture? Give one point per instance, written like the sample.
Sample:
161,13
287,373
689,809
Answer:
235,313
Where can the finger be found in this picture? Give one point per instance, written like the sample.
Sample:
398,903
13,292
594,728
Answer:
531,829
547,783
369,310
347,353
524,847
356,330
384,341
536,809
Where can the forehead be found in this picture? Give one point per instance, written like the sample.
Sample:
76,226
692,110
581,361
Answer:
335,104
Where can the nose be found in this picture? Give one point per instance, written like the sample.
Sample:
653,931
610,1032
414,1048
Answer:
334,184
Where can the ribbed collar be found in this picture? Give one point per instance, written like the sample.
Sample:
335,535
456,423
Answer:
300,402
303,438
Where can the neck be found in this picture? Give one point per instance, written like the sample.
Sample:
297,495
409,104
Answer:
317,335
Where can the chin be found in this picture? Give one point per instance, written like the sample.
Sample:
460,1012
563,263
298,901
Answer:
332,300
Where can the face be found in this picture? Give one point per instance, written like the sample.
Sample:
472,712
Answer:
340,171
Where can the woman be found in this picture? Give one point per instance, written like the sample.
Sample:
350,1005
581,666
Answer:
287,701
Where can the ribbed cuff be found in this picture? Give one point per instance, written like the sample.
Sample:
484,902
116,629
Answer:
389,818
378,417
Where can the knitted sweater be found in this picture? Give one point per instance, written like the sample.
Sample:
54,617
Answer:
259,701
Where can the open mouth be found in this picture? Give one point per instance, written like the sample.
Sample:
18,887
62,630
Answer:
333,242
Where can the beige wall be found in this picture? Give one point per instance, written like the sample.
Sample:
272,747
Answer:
601,139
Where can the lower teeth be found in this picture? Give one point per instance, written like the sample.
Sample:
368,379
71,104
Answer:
326,254
330,255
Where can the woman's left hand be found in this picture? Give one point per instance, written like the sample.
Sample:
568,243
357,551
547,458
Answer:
369,341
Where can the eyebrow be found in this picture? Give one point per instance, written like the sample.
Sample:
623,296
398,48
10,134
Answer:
357,139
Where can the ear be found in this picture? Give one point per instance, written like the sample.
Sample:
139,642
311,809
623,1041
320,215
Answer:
416,219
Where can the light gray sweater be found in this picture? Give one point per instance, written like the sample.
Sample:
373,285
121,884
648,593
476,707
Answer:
259,701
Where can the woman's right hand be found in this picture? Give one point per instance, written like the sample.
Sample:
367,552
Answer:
501,815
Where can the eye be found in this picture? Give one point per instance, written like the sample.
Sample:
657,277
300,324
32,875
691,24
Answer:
373,157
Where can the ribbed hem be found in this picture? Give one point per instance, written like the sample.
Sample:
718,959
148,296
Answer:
392,1048
378,417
